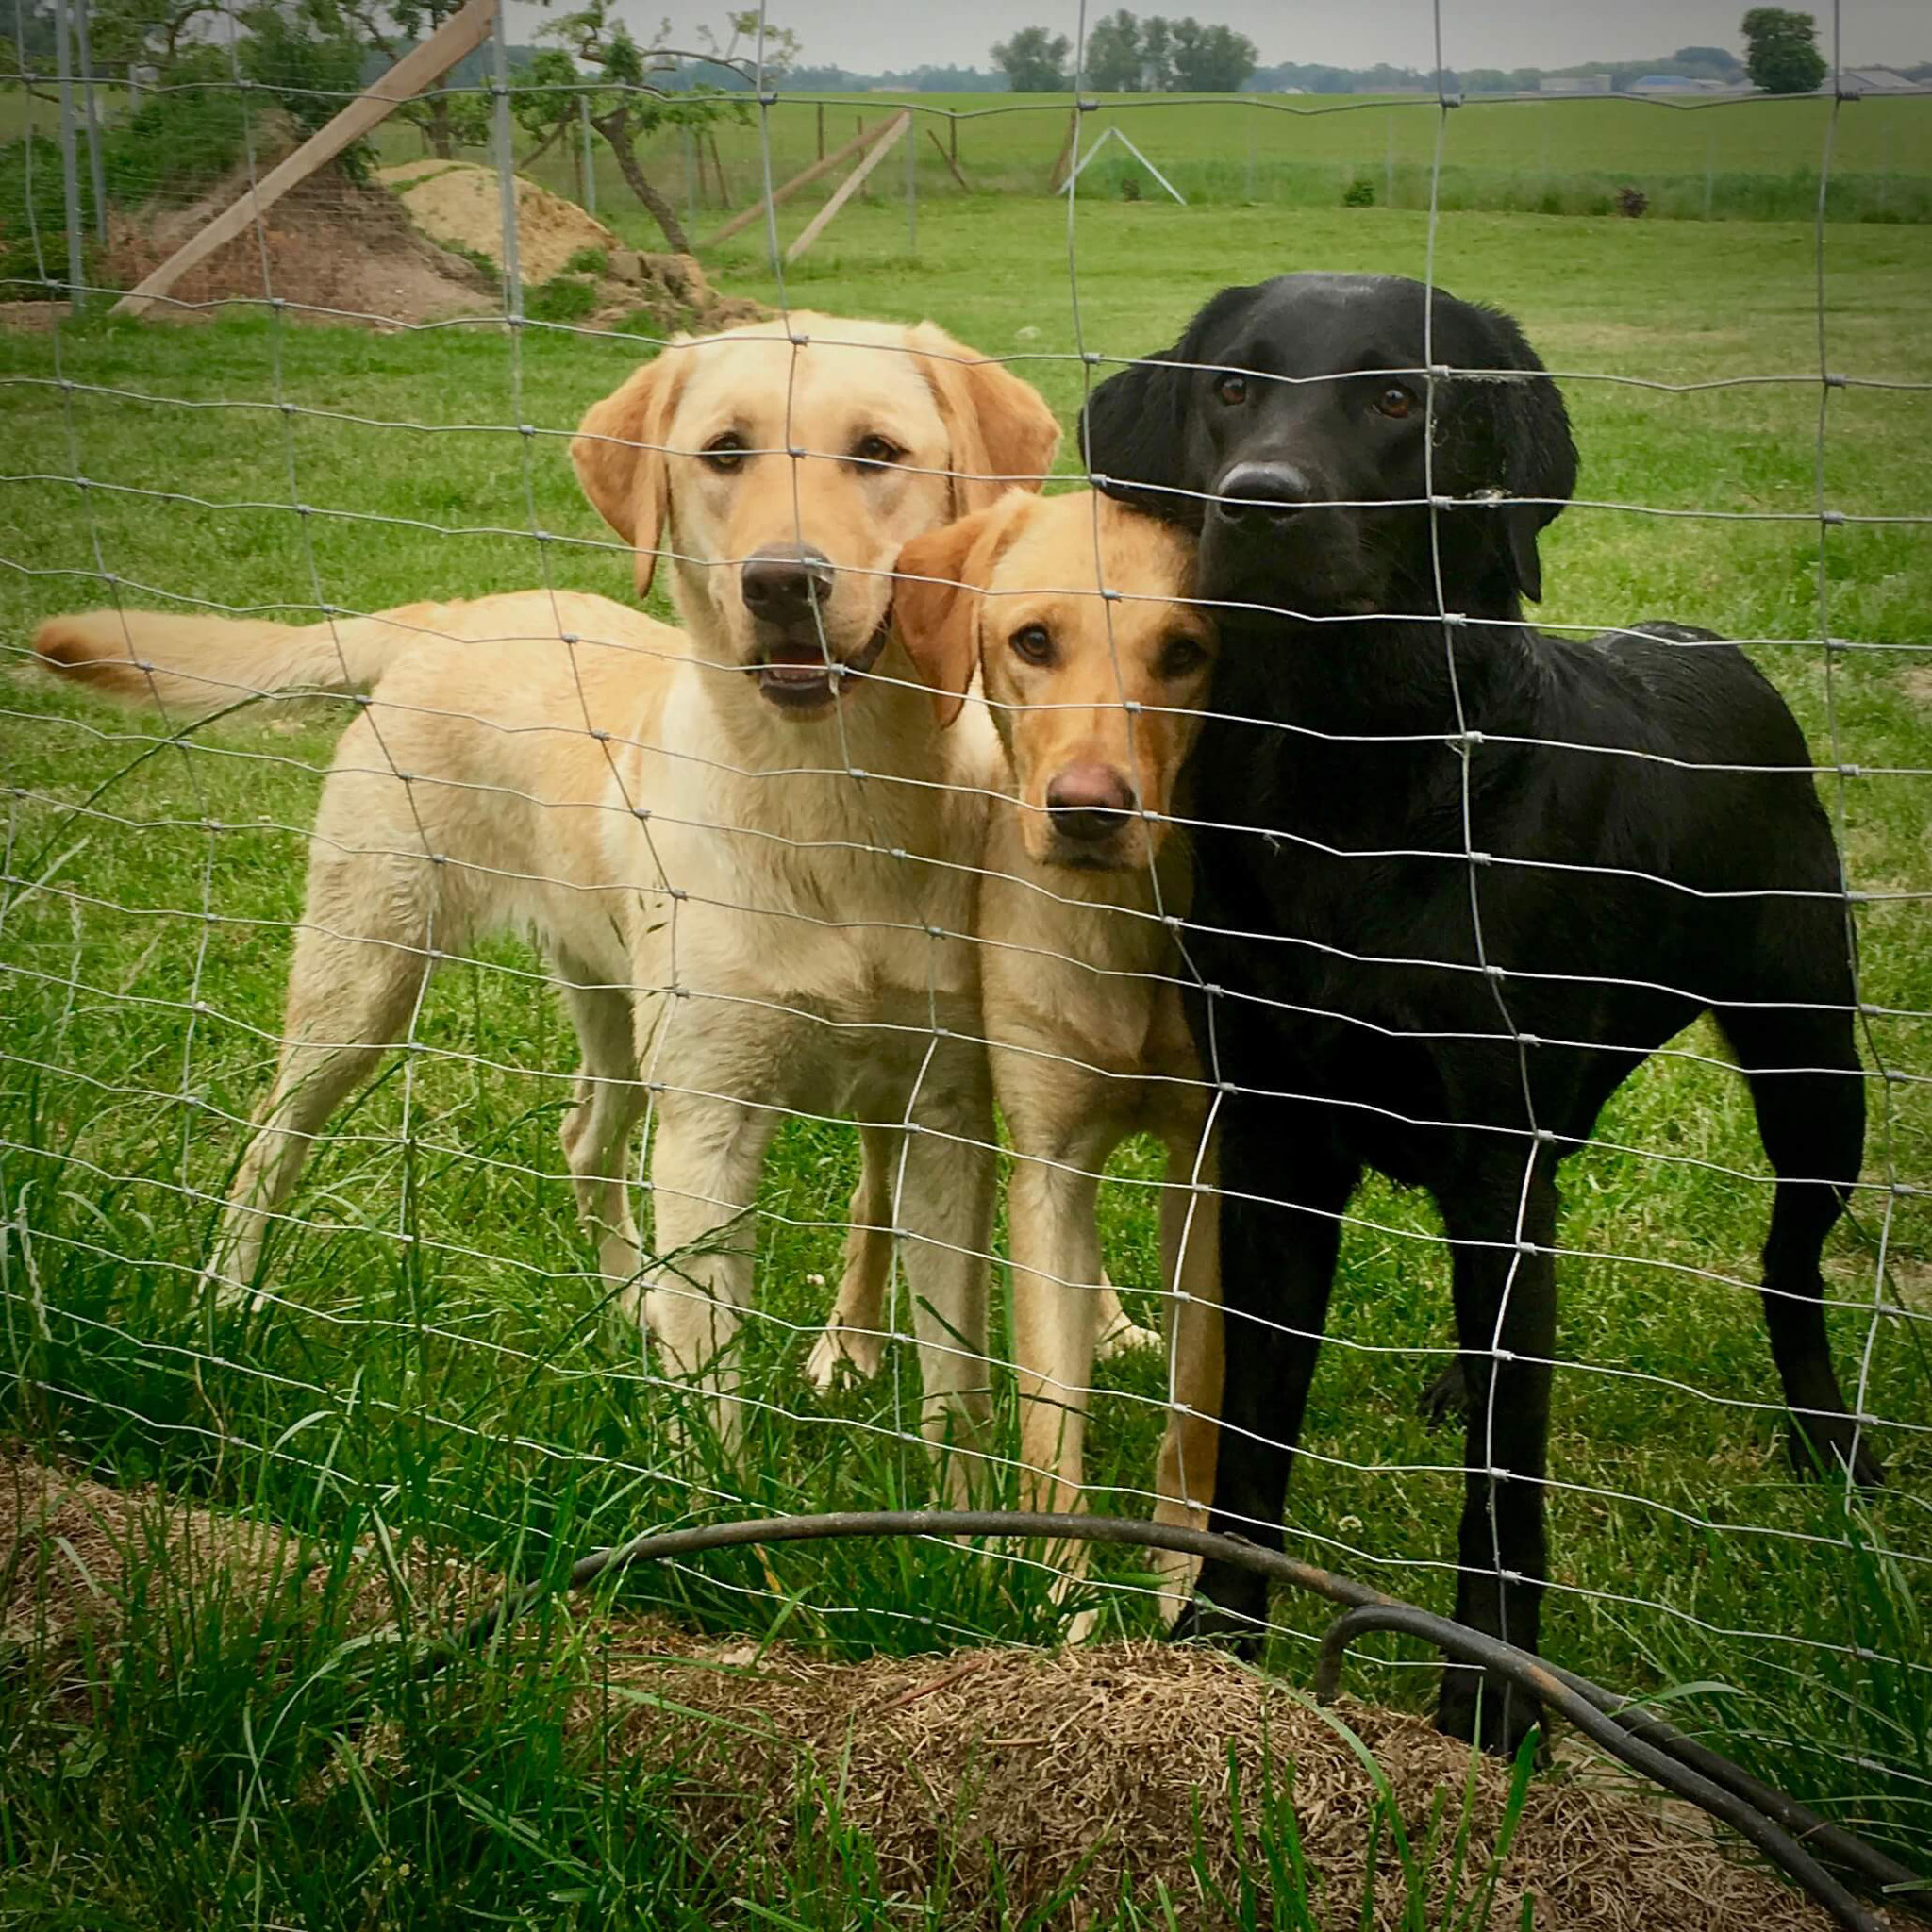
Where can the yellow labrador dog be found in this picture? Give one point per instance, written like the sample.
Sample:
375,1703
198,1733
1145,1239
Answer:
1096,701
747,847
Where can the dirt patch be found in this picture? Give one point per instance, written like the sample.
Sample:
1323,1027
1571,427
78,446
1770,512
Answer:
341,247
1025,1775
459,205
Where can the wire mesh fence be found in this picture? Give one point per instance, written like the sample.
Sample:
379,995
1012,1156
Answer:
442,996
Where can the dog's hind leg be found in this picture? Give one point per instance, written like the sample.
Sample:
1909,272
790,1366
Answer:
349,1001
709,1151
1809,1091
853,1338
610,1101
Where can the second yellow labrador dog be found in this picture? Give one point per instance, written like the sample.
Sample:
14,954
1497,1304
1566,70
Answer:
1096,699
747,847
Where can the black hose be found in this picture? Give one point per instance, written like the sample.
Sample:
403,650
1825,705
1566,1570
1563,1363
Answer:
1630,1733
1518,1667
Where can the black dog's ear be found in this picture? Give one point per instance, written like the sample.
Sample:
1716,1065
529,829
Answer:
1130,434
1538,453
1133,430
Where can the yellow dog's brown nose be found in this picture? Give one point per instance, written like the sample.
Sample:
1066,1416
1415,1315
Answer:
1089,802
782,582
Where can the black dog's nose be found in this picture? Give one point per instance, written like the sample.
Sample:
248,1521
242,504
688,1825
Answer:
782,582
1089,802
1261,494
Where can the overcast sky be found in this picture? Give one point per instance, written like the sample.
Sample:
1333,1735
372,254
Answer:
870,36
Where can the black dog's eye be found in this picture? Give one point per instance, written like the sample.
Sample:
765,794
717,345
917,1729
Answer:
877,449
726,451
1181,656
1031,643
1232,389
1396,400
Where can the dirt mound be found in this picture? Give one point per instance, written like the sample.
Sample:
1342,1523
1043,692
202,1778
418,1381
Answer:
1022,1775
332,244
457,203
68,1548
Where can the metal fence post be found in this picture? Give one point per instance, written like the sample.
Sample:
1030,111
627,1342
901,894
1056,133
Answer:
96,172
506,169
590,160
70,176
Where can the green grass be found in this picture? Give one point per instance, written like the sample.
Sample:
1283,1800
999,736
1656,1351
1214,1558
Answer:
1751,159
1754,160
467,1383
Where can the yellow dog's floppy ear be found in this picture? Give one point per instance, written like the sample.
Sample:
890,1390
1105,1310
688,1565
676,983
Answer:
1001,432
619,455
936,598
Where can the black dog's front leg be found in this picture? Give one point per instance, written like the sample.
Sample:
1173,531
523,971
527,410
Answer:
1285,1185
1505,1321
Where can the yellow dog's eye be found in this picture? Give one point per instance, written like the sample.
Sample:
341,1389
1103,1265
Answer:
1031,643
1232,389
877,449
726,451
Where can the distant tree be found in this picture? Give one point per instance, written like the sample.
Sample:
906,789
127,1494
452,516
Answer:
1722,59
1210,60
1113,54
1157,54
1781,51
1035,61
390,27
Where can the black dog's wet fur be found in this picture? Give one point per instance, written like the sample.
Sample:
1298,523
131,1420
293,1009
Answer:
1339,934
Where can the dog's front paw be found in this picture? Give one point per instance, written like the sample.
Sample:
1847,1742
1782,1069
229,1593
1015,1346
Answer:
1825,1446
842,1354
1233,1618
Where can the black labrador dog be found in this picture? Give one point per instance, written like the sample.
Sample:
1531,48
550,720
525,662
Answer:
1648,846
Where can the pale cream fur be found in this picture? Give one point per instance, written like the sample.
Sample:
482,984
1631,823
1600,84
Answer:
1081,971
741,928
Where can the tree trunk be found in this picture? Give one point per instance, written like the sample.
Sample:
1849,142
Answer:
615,128
442,140
543,146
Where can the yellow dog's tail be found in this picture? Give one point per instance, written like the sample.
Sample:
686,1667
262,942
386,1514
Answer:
189,665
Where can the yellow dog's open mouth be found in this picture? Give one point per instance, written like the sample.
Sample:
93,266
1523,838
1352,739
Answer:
801,674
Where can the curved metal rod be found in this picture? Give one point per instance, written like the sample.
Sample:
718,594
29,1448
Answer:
1628,1731
1534,1675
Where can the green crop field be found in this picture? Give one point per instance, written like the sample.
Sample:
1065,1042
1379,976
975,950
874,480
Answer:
1751,159
463,1391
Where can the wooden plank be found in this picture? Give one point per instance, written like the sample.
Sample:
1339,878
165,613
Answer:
894,132
785,190
416,70
949,160
1057,180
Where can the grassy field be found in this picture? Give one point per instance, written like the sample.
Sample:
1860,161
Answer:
463,1386
1753,159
